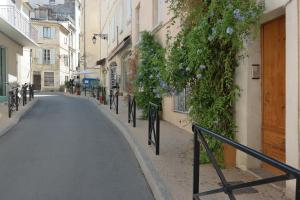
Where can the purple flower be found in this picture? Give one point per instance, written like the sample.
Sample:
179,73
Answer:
237,15
229,30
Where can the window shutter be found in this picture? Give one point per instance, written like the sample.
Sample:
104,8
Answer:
52,56
39,56
53,33
159,10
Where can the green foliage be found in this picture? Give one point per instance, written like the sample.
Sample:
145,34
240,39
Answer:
147,86
204,56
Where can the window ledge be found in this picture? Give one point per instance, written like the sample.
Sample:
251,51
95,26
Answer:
181,112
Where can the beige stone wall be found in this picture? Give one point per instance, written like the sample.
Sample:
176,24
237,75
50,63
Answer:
91,15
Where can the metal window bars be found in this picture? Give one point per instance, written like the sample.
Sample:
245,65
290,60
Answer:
114,99
154,126
132,110
227,188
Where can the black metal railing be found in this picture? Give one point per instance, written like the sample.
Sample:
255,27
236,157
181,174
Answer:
114,99
131,110
13,101
31,92
24,93
228,188
154,126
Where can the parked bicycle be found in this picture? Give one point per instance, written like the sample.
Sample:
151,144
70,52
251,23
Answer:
13,101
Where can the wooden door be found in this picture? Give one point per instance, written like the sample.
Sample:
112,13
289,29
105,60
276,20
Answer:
273,90
37,82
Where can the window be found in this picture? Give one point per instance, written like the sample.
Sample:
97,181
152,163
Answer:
49,79
46,32
66,79
65,40
66,60
180,101
46,56
128,10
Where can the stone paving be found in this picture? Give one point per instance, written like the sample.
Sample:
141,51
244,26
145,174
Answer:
175,162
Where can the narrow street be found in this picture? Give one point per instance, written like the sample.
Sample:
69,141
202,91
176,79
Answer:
65,149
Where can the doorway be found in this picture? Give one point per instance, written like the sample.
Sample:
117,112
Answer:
37,80
273,90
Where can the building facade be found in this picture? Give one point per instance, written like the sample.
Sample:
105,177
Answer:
267,111
50,67
17,36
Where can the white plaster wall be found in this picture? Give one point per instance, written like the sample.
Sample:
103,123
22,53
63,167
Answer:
292,89
24,67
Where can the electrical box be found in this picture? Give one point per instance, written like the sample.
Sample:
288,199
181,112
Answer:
255,71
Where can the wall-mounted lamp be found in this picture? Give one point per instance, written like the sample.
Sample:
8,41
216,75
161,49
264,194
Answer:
102,36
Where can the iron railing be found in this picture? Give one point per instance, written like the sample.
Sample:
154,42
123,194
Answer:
131,110
229,188
31,92
154,126
114,99
24,93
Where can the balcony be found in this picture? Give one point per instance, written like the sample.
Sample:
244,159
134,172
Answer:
17,26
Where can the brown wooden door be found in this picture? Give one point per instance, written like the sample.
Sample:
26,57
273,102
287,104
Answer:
37,82
273,90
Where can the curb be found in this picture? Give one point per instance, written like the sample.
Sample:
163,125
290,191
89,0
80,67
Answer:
156,184
16,119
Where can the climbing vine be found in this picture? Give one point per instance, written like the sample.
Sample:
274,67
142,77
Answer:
204,56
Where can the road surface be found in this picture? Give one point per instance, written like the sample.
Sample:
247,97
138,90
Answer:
65,149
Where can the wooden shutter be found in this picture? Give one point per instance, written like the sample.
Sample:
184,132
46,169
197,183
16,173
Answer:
39,56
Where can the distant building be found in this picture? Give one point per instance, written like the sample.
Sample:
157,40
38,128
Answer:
50,66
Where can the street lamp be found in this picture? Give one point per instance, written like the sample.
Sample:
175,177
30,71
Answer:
102,36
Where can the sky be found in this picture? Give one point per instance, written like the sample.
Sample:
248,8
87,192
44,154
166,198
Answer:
41,2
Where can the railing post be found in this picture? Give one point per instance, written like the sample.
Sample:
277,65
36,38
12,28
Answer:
196,163
17,99
149,125
157,131
134,112
129,108
110,98
297,195
117,102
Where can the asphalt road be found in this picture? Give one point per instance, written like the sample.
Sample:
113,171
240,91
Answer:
65,149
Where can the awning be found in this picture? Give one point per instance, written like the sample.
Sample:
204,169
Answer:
84,72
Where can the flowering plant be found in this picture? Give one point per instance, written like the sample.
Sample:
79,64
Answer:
205,54
149,86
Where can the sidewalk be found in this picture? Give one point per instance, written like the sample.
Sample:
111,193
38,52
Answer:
7,123
170,174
